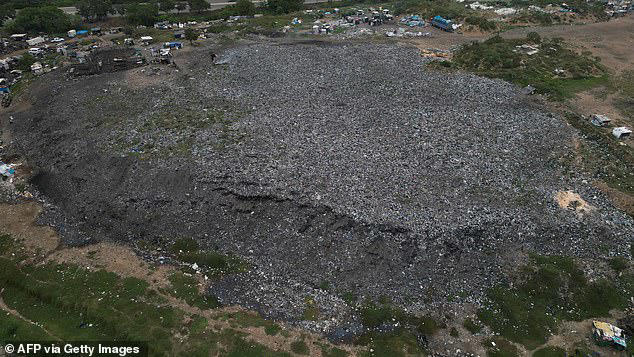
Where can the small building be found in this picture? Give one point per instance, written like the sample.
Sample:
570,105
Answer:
179,34
621,132
608,335
72,33
82,32
146,39
18,37
599,120
95,30
35,41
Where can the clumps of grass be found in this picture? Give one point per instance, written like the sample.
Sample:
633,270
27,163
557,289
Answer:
69,303
499,347
311,310
398,343
404,330
624,83
604,157
376,315
63,299
183,118
248,319
555,70
550,352
333,352
188,250
480,22
299,347
185,287
618,264
472,326
429,8
554,289
349,297
536,17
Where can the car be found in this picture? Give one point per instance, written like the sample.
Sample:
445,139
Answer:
35,51
57,39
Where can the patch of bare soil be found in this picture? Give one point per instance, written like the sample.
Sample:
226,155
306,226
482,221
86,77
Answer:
575,334
621,200
572,201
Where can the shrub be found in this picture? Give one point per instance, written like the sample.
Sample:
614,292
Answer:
284,6
48,19
244,8
299,347
533,37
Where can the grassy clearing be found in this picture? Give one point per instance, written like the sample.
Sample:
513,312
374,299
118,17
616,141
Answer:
554,289
71,303
299,347
603,157
405,330
624,84
376,315
556,70
185,287
248,319
472,326
187,250
399,343
333,352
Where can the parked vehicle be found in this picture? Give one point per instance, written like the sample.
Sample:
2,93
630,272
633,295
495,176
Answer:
442,23
35,51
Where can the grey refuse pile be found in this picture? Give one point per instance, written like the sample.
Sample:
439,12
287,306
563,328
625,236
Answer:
349,164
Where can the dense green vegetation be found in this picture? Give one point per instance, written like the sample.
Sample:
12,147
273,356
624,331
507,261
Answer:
47,19
187,250
555,70
554,289
72,303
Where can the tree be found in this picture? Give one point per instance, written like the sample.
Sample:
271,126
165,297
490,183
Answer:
6,12
166,5
198,5
141,14
24,63
285,6
94,9
534,37
180,6
118,9
191,35
244,8
48,19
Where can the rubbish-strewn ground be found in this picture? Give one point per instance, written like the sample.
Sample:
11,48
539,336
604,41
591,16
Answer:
328,168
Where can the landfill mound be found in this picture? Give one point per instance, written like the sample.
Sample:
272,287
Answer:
108,60
350,166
